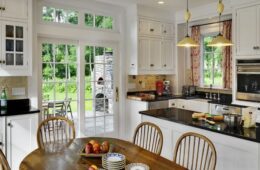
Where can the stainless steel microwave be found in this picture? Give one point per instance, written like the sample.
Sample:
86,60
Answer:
248,80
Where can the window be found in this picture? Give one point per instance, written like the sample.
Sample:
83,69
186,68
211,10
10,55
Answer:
51,14
98,21
212,64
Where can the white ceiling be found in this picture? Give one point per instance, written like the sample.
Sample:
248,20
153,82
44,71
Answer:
175,5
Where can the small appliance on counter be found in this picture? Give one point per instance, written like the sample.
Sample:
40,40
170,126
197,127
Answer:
167,88
159,88
188,90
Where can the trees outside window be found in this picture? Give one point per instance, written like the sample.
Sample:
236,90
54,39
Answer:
212,71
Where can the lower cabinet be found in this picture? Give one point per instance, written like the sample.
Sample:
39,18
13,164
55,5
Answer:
133,119
21,138
232,153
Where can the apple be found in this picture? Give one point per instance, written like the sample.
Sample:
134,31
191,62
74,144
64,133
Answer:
104,147
93,141
93,167
96,148
89,148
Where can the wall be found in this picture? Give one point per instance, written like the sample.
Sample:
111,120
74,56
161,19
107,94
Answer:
144,82
14,82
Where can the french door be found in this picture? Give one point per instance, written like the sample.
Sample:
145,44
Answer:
85,74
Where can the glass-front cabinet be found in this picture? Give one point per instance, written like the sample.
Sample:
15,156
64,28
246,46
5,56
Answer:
14,46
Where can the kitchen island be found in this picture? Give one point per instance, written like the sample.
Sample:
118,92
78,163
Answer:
236,149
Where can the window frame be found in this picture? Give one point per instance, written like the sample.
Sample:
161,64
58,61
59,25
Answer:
212,34
81,17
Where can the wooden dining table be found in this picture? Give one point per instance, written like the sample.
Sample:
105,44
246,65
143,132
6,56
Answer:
69,158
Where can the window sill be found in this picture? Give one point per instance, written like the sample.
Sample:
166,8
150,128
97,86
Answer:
214,90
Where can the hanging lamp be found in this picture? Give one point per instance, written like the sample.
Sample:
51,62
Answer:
187,41
219,40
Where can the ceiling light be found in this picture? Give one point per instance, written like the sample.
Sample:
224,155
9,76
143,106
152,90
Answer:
187,41
220,41
160,2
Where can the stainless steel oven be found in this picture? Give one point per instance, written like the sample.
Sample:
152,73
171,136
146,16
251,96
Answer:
248,80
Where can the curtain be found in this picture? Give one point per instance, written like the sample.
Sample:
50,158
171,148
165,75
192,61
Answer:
195,57
227,56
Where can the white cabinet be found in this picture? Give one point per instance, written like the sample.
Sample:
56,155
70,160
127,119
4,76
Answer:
2,134
154,53
232,153
19,137
247,31
15,9
196,105
133,117
14,47
167,55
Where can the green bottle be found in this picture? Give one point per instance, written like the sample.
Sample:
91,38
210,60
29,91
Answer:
3,99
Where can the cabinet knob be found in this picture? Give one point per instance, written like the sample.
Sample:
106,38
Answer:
1,143
173,104
10,125
152,30
164,65
132,64
152,65
164,31
1,62
256,47
183,107
3,8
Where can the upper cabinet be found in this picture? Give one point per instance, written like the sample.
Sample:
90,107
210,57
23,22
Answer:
17,9
14,43
247,31
155,48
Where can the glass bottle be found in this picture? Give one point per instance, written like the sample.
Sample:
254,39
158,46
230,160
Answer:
3,99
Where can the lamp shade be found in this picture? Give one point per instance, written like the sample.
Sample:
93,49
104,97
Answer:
187,42
220,41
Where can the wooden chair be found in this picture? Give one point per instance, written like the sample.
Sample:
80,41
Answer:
149,136
55,133
3,162
195,151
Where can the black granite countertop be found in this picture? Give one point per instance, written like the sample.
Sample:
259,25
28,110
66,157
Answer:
185,117
15,112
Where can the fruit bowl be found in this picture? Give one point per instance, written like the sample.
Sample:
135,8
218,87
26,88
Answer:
94,149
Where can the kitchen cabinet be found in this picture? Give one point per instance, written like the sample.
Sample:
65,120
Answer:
247,31
14,9
196,105
133,108
18,137
154,53
230,150
15,28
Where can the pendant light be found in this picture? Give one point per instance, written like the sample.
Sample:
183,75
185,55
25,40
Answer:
187,41
220,41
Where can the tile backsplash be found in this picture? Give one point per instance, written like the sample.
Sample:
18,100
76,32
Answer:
143,82
14,82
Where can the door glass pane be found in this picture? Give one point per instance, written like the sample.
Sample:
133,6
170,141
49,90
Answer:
59,77
9,59
89,20
98,93
9,31
19,59
9,45
19,45
19,32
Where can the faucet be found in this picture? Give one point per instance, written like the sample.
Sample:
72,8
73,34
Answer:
210,94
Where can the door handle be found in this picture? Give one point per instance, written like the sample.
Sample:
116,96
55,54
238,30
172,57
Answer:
117,94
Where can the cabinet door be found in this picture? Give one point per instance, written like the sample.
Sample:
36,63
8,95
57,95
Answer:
21,137
167,30
258,28
143,53
144,26
167,55
246,27
155,28
155,54
14,45
15,9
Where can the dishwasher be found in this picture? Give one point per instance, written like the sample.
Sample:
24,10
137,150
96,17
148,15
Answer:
158,104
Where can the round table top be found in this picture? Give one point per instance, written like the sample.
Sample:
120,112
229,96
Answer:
70,158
